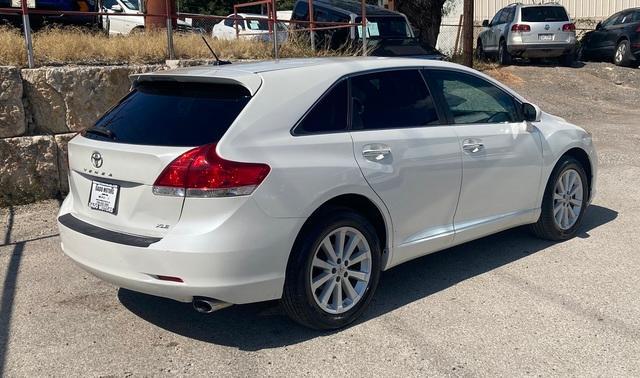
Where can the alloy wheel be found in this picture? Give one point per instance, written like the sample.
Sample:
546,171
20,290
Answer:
340,270
567,199
621,51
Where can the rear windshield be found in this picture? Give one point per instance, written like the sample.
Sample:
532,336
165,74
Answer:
385,27
544,14
172,114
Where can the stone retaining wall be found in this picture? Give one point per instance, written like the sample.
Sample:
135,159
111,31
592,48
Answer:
40,110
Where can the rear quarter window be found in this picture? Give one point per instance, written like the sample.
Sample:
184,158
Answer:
172,114
544,14
328,115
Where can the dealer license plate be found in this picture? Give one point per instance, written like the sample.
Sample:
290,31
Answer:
104,197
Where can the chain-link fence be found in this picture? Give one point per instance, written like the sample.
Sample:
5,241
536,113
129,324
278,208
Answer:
254,30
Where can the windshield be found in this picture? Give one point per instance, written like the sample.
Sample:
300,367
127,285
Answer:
544,14
132,4
385,27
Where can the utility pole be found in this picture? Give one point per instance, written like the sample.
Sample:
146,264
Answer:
467,34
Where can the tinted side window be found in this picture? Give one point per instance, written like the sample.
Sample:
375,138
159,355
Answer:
107,4
471,99
301,12
626,18
611,20
496,18
391,99
507,15
329,114
231,21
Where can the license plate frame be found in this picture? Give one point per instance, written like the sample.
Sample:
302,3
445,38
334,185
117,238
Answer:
104,197
545,37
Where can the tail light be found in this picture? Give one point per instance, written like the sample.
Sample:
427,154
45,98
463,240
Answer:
200,172
520,28
569,27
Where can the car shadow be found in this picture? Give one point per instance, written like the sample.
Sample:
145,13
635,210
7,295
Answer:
264,325
546,63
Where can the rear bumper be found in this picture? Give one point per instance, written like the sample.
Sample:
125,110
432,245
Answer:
541,50
241,260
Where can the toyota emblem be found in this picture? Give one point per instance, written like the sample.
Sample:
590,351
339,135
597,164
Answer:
96,159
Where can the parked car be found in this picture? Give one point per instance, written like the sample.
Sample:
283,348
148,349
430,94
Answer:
37,21
249,26
302,180
126,16
616,38
529,31
388,33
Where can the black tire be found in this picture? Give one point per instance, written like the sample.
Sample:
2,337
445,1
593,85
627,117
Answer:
297,298
583,55
624,59
480,53
568,59
546,227
504,58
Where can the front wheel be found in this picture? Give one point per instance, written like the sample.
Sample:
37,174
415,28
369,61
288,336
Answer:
480,54
333,271
564,203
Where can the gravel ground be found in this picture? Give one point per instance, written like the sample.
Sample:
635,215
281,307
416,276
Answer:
506,305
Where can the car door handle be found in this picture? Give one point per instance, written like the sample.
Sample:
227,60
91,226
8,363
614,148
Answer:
472,146
376,152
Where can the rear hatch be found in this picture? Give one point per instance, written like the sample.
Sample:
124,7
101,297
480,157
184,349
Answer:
549,24
114,164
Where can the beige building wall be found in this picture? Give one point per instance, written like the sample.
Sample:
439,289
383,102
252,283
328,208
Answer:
578,9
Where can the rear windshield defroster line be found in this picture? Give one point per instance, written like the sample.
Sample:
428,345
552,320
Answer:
170,113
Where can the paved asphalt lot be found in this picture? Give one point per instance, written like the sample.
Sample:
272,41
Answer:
505,305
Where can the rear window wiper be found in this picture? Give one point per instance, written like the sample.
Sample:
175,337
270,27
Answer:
101,132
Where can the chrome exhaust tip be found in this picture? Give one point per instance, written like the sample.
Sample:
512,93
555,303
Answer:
208,305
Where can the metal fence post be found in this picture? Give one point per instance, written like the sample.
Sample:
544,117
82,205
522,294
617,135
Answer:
27,34
172,54
364,28
311,33
274,12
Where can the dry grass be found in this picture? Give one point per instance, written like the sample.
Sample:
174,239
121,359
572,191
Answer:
504,76
78,46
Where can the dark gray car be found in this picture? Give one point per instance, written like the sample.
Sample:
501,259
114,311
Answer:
528,31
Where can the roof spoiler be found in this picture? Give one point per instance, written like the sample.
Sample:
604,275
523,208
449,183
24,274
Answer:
250,81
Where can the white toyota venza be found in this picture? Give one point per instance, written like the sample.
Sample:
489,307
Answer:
302,180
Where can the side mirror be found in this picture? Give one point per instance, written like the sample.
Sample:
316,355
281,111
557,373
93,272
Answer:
116,8
531,112
599,26
485,23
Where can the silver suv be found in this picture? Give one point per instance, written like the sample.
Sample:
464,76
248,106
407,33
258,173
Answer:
528,31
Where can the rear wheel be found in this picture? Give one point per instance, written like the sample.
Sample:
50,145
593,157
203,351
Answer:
564,203
622,56
333,271
504,58
568,59
583,55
